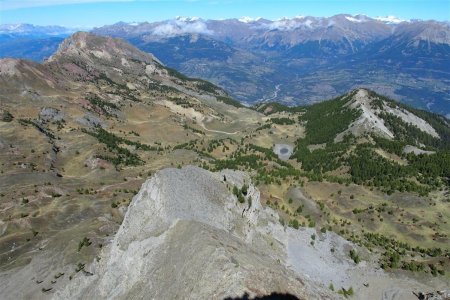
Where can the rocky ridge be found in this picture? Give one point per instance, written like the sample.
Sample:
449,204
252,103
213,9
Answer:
185,235
370,119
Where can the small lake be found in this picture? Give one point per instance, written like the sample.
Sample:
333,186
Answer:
284,151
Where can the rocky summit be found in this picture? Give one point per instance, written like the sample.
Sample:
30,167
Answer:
188,236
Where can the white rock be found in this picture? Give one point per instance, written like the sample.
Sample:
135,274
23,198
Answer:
186,236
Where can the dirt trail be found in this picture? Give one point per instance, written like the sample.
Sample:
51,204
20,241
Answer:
216,131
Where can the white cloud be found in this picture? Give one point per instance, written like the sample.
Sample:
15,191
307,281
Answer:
249,19
355,20
289,24
447,116
182,26
284,25
390,20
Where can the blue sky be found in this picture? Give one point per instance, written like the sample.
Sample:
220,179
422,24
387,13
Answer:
89,13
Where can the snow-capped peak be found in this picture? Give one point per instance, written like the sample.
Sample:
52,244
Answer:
13,26
19,27
187,19
23,28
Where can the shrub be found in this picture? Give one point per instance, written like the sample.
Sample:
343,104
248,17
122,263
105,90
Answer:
6,116
85,242
294,223
354,256
345,292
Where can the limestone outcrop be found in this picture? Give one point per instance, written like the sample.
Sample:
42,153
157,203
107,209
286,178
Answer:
185,235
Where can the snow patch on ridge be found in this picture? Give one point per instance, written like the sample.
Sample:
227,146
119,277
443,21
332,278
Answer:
187,19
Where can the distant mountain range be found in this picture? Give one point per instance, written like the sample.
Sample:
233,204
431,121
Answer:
303,59
32,30
30,41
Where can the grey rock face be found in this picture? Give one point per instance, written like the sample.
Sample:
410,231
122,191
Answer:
186,236
50,114
91,120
